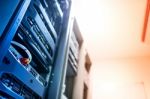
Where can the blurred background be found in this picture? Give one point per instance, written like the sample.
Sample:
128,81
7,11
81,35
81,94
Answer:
112,30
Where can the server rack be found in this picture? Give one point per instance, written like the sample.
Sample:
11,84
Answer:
33,47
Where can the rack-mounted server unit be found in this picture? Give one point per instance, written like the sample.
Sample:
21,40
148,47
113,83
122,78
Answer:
72,65
11,14
25,69
73,55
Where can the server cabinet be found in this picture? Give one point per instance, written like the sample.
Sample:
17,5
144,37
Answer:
33,43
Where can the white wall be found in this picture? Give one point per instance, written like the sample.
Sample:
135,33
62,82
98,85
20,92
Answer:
121,72
113,28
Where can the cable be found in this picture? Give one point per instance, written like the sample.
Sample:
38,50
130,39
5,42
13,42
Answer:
23,60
